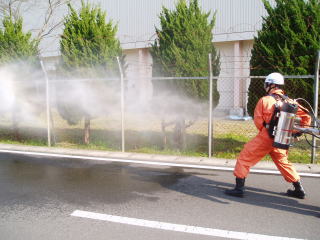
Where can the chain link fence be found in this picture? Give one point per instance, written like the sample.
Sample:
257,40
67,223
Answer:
89,113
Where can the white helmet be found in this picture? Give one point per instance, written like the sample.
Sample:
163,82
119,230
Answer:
275,78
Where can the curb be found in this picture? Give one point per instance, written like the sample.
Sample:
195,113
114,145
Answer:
147,158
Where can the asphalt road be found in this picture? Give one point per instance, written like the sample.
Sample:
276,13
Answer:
38,199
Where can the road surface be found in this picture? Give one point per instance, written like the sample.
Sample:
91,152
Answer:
43,198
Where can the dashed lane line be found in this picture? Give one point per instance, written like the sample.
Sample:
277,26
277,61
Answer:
176,227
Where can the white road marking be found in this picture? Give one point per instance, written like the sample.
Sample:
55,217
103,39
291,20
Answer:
177,227
157,163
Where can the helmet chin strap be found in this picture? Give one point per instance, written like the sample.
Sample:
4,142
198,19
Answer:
269,88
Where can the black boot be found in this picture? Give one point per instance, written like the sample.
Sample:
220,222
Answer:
238,191
298,191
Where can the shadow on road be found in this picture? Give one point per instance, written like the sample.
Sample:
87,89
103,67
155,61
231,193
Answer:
213,190
86,184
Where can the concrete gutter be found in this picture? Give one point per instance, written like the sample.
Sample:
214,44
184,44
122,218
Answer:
141,158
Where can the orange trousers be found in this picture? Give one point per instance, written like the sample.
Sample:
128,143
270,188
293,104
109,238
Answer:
259,147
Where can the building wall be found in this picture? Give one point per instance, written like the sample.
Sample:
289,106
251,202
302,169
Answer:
232,83
236,20
139,73
235,69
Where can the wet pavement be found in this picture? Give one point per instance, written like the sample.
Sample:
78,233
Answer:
39,194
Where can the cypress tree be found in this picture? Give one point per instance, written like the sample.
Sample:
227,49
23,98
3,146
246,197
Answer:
15,45
287,43
181,49
89,48
89,42
20,52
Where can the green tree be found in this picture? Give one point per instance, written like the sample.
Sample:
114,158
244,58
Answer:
20,51
287,43
181,49
89,48
15,45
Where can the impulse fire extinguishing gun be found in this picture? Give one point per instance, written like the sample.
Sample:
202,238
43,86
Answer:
287,125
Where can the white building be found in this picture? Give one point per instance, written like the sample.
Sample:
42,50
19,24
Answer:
237,22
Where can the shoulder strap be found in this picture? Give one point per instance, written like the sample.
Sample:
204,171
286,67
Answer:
279,96
275,116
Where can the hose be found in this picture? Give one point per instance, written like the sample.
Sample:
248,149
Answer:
316,121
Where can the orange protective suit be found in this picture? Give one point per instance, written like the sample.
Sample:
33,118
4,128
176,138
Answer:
261,145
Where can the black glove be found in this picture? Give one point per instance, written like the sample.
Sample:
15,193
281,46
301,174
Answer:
297,134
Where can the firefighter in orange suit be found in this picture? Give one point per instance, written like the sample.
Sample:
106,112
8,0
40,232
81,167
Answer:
261,145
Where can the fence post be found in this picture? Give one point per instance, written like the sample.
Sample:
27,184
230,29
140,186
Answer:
122,106
210,147
47,103
315,105
247,84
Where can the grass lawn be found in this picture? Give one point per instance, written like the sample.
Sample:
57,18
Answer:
145,136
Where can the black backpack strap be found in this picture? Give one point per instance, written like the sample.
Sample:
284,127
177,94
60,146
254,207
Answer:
275,115
279,96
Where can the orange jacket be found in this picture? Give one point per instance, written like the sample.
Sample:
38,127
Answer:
264,110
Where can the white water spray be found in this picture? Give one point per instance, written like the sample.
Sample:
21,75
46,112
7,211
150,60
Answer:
7,96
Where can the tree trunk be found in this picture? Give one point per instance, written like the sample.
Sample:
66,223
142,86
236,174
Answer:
15,122
164,135
53,131
86,137
179,134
